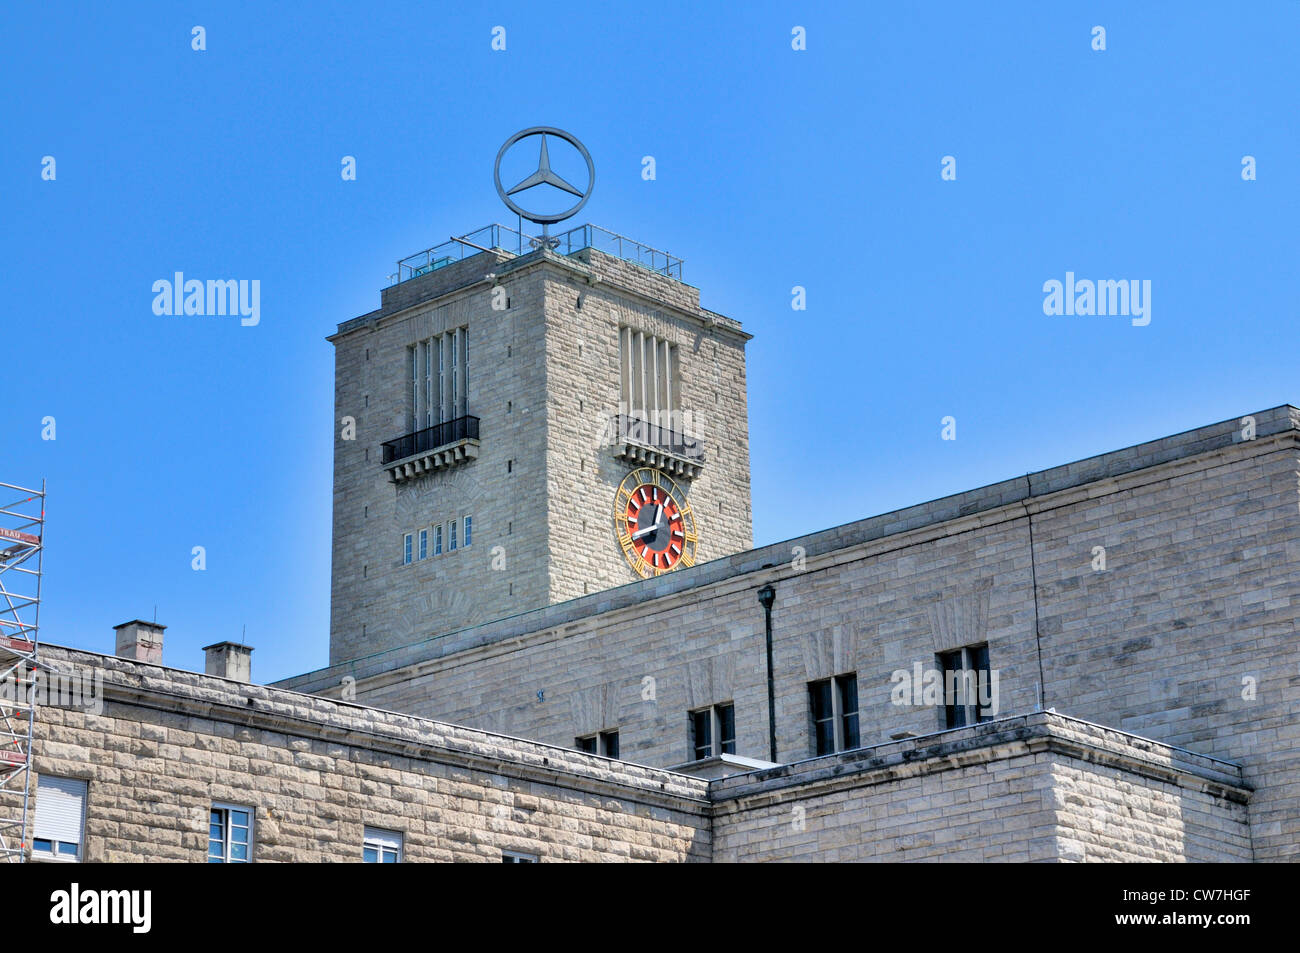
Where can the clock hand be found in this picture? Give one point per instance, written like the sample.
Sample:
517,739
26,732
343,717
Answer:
650,529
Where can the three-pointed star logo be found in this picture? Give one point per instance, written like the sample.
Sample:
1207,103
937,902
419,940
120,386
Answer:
544,175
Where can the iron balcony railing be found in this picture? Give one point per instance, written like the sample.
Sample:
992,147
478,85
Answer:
431,438
502,238
644,433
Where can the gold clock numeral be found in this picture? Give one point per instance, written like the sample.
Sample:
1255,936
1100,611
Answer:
692,537
625,540
687,560
639,565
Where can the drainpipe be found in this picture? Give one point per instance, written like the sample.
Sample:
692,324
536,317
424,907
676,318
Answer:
767,595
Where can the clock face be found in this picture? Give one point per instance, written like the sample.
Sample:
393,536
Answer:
654,523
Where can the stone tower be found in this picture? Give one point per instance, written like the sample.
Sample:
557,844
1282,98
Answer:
527,426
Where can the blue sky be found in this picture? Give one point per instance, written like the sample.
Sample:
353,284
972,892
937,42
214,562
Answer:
776,168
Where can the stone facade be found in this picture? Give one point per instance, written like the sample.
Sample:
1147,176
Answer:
1039,787
544,382
1187,636
168,745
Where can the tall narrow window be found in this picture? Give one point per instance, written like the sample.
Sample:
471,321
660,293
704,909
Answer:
60,819
442,380
966,686
455,374
647,378
451,535
625,369
638,375
469,530
424,543
822,696
429,412
726,715
439,379
834,707
437,540
406,549
713,731
609,742
848,699
702,733
463,410
415,387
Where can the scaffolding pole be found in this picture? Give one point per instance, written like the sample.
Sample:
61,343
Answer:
22,534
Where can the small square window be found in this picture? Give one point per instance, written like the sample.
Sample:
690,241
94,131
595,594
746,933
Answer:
713,731
381,847
230,834
515,857
604,742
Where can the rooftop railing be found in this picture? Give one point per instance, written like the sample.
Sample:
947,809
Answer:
502,238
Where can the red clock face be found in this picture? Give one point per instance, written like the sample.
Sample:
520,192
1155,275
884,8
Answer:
655,524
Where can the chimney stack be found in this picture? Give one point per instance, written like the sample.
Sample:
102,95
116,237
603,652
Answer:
140,640
228,660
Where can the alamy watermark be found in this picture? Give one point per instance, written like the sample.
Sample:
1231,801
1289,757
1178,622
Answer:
1105,296
669,430
931,688
213,297
79,687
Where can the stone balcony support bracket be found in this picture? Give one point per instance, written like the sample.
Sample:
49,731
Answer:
439,458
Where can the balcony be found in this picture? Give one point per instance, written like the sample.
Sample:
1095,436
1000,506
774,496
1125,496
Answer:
643,443
439,447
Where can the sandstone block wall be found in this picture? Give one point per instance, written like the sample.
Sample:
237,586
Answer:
543,381
169,744
1040,788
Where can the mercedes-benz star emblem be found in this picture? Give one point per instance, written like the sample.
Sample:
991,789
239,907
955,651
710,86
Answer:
545,176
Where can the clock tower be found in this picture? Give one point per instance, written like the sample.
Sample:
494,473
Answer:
527,420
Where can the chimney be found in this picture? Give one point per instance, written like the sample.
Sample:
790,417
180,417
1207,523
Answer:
228,660
140,640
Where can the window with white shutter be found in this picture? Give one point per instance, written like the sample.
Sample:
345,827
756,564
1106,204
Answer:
381,847
60,819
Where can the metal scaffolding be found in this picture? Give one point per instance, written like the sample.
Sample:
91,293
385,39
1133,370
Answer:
22,532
